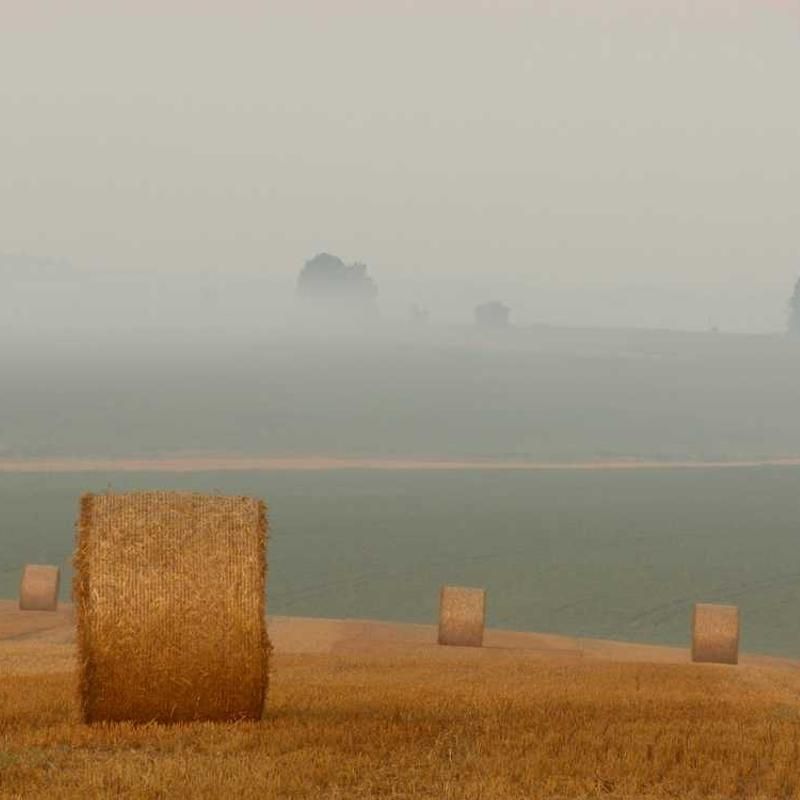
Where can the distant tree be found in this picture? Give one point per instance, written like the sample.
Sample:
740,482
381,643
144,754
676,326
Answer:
794,311
326,277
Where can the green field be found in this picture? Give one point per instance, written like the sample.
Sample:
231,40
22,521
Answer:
606,554
539,394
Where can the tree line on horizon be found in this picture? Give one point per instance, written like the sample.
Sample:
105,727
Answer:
348,288
36,289
327,278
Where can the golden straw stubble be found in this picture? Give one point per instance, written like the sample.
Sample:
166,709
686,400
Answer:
170,601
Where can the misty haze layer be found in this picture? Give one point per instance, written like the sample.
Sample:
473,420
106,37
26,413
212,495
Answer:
539,394
615,163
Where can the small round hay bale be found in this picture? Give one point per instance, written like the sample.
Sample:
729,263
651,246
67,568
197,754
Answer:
38,589
462,616
170,603
715,633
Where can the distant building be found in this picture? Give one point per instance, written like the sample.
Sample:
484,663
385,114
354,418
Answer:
492,315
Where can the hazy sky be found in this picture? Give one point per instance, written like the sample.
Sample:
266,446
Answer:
524,149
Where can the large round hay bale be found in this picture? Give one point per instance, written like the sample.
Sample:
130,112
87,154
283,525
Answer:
715,634
462,616
169,596
38,588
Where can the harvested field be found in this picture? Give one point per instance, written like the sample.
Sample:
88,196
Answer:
377,710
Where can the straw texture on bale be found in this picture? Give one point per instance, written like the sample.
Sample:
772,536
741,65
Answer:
462,616
715,633
169,596
38,589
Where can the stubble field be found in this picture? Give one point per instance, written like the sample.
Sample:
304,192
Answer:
402,721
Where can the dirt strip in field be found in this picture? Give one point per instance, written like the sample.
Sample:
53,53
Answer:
325,463
28,634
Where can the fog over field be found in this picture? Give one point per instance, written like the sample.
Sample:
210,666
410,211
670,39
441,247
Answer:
523,232
415,392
